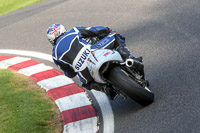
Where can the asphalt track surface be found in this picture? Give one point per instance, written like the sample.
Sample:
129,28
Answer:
165,32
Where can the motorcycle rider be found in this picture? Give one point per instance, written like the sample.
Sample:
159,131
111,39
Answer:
67,44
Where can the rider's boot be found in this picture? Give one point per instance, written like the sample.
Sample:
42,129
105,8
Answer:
110,92
126,54
140,58
107,89
123,50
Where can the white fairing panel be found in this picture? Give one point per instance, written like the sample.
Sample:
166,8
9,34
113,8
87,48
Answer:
98,58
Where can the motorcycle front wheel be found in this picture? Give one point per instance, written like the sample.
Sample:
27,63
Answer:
131,88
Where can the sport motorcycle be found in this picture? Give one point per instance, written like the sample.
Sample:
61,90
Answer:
107,67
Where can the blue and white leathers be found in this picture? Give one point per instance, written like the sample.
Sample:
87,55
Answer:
72,51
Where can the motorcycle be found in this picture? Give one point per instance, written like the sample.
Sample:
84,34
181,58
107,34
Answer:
107,67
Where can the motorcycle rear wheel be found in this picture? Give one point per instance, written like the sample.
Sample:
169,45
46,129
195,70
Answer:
131,88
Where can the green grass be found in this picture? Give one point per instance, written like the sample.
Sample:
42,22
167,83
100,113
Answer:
7,6
24,107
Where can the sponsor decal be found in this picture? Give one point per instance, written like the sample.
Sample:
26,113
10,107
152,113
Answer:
92,73
91,62
99,45
82,59
106,54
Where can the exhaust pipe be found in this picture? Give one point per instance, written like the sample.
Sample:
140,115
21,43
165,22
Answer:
129,62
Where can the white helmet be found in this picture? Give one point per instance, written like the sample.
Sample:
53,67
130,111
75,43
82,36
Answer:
54,31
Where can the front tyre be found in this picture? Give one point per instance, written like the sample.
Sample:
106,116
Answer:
132,89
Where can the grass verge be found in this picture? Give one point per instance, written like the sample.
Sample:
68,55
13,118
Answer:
24,107
7,6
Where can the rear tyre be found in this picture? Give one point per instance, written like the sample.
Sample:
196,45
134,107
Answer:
128,86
